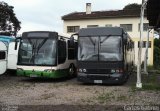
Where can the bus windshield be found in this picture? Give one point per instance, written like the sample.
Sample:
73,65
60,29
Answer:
103,48
37,52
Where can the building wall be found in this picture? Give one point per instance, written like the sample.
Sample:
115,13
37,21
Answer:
150,50
135,34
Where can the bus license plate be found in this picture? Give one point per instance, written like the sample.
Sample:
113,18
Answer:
33,75
98,81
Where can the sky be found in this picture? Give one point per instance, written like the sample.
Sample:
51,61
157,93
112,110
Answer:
45,15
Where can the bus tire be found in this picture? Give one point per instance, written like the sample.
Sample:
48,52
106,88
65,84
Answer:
11,72
72,71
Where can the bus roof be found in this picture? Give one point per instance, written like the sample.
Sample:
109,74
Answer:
42,34
6,38
101,31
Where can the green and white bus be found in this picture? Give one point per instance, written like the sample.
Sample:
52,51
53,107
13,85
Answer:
46,54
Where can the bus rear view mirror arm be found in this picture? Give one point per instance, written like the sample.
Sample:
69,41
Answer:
72,38
16,42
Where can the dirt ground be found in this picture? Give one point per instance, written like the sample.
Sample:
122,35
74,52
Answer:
70,95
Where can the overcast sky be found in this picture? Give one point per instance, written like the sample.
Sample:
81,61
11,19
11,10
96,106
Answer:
46,14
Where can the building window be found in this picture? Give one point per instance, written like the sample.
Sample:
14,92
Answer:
144,44
145,27
72,29
126,27
108,25
90,26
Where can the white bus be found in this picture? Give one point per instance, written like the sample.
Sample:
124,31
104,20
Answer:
46,54
8,56
3,58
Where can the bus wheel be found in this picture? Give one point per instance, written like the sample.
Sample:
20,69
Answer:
72,70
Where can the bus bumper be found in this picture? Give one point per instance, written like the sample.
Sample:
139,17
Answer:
43,74
102,78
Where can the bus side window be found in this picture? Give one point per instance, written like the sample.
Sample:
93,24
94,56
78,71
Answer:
128,46
71,50
76,50
61,51
2,55
132,46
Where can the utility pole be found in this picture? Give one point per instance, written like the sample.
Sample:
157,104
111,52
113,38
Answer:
146,53
159,33
139,83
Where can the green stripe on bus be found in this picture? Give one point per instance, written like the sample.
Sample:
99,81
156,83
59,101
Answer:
54,74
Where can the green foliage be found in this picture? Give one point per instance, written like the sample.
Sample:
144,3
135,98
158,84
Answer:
132,6
156,53
156,57
150,67
157,42
9,24
150,82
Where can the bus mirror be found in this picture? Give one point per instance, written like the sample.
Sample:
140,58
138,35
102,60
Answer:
71,38
128,46
125,41
16,42
15,48
72,41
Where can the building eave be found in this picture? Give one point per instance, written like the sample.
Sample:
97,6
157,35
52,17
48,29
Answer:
102,17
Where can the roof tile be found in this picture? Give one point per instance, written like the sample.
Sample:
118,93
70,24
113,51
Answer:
103,14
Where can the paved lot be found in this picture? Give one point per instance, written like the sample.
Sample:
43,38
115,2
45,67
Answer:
67,92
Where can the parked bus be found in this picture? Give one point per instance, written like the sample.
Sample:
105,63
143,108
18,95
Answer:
10,55
3,58
105,55
46,54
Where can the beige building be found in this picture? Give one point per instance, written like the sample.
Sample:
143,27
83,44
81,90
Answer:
128,19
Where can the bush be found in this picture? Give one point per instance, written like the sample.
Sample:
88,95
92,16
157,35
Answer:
156,57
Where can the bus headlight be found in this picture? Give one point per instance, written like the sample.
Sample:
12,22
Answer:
117,70
84,70
80,70
113,71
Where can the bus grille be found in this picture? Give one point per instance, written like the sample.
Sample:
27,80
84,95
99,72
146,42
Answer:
98,71
100,65
92,77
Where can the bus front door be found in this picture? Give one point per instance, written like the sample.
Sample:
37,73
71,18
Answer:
12,56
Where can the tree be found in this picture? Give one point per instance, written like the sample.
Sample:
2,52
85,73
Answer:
132,6
156,53
9,24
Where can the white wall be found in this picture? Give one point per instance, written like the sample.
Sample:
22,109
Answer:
102,22
135,34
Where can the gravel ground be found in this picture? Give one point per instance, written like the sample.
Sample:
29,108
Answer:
32,91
